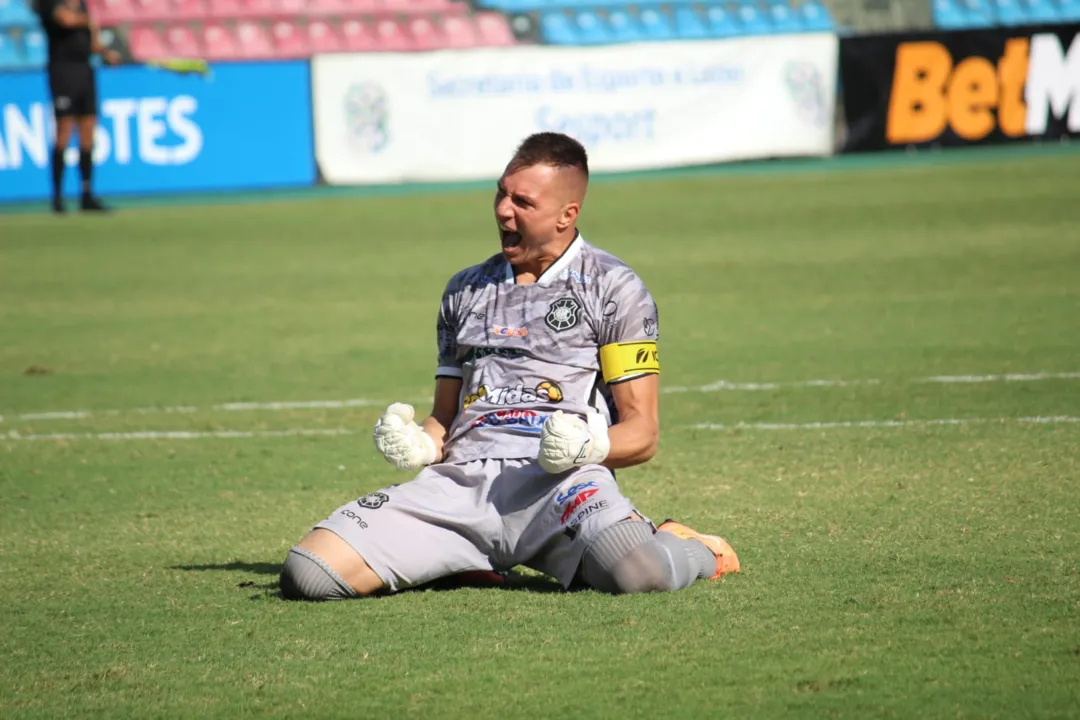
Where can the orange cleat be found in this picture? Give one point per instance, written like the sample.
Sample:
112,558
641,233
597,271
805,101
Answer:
726,559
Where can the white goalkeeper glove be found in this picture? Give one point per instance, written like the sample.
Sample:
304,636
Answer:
567,441
401,441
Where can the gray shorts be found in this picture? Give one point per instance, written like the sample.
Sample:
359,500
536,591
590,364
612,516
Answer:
481,515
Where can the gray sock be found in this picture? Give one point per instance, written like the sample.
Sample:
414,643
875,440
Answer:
629,558
306,576
702,562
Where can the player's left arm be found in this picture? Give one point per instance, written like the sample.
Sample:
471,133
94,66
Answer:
630,365
635,437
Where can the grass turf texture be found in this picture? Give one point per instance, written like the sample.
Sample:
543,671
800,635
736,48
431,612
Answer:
888,571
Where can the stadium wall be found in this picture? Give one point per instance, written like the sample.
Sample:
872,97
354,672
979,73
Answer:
432,116
955,88
457,115
247,126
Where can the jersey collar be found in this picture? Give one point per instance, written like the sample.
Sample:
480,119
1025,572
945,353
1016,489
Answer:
558,266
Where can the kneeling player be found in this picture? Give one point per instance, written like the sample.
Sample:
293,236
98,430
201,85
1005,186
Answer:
547,382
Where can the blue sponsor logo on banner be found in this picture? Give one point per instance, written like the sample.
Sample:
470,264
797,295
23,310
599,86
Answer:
247,126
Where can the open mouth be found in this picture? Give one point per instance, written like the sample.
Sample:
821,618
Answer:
509,238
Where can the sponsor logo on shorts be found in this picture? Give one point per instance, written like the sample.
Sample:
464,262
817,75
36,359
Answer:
545,391
374,501
574,497
527,420
586,511
354,517
505,331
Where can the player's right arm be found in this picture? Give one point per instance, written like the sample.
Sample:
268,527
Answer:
444,410
404,443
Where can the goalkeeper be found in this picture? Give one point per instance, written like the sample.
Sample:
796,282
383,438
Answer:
547,382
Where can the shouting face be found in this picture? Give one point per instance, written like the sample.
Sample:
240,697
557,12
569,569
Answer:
535,206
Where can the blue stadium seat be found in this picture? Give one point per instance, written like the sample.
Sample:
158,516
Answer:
16,13
623,28
753,21
946,15
541,5
1009,12
1041,12
815,16
656,25
782,18
688,24
1068,10
521,6
962,14
556,29
721,24
979,13
591,29
35,48
508,5
9,54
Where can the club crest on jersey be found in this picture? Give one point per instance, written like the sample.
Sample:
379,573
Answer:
374,501
563,314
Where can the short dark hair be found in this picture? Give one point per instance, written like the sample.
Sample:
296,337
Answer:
550,148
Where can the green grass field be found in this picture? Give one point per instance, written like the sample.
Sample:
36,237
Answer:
893,565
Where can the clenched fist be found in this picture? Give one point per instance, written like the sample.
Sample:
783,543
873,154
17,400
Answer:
401,441
567,441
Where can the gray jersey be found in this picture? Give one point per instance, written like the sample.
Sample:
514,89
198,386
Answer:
525,351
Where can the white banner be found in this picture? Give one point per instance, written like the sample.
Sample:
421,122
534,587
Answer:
458,115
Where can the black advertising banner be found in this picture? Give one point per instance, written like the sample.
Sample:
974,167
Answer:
961,87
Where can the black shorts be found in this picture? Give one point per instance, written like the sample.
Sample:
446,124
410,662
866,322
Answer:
74,89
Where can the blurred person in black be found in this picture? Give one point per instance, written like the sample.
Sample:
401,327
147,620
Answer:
73,38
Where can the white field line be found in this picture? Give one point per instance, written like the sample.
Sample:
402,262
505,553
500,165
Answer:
179,434
1012,377
1041,420
725,385
222,407
718,386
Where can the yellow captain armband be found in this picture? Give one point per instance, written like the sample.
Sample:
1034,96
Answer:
621,360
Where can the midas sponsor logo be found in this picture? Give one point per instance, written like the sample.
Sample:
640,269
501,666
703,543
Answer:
1032,79
545,391
620,360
